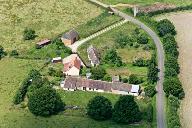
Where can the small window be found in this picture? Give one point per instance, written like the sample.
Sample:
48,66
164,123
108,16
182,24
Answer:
89,88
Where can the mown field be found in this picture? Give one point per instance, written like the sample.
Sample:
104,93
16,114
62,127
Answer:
107,41
48,18
147,2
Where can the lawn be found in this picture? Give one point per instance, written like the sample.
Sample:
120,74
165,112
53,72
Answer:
48,18
147,2
127,54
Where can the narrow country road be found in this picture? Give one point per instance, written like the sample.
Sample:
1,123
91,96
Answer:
161,115
161,121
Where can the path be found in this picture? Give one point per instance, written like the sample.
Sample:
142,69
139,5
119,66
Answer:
161,116
75,46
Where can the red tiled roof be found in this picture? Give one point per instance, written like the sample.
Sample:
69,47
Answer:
74,63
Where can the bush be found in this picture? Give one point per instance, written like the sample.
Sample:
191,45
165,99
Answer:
126,110
99,108
107,77
29,34
150,91
53,72
172,86
2,52
21,92
45,102
140,62
150,113
170,72
14,53
165,27
133,79
143,39
125,80
112,58
122,40
171,62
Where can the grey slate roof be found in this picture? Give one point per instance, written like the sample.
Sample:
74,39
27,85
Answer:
93,54
72,34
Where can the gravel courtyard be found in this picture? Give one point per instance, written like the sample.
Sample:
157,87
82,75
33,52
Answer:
183,24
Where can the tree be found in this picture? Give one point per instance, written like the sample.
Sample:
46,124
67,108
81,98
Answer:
45,102
126,110
2,52
172,86
99,108
14,53
171,62
165,27
152,74
112,58
98,73
29,34
170,72
150,91
107,77
142,39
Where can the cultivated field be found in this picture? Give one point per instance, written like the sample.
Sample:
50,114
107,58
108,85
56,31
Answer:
147,2
183,24
48,17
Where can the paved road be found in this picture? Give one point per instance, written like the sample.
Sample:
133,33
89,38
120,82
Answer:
161,121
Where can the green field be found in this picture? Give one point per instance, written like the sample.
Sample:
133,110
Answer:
127,54
47,18
12,73
147,2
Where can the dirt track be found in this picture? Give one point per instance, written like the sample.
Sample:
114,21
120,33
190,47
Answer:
183,24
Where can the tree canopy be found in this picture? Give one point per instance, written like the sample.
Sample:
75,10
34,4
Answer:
150,91
99,108
29,34
126,110
98,73
45,102
2,52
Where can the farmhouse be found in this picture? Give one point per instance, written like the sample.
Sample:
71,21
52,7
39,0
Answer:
70,37
71,57
77,83
73,67
93,56
43,43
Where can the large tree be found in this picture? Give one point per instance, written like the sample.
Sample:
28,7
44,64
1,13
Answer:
172,86
45,102
99,108
126,110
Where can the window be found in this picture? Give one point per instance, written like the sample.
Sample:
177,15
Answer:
89,88
84,88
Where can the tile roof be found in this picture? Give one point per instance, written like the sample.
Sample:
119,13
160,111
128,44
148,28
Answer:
95,84
73,63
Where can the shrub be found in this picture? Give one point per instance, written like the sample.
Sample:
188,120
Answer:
140,62
45,102
112,58
150,113
99,108
150,91
126,110
122,40
172,86
2,52
171,62
133,79
14,53
107,77
29,34
143,39
165,27
125,80
170,72
55,73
